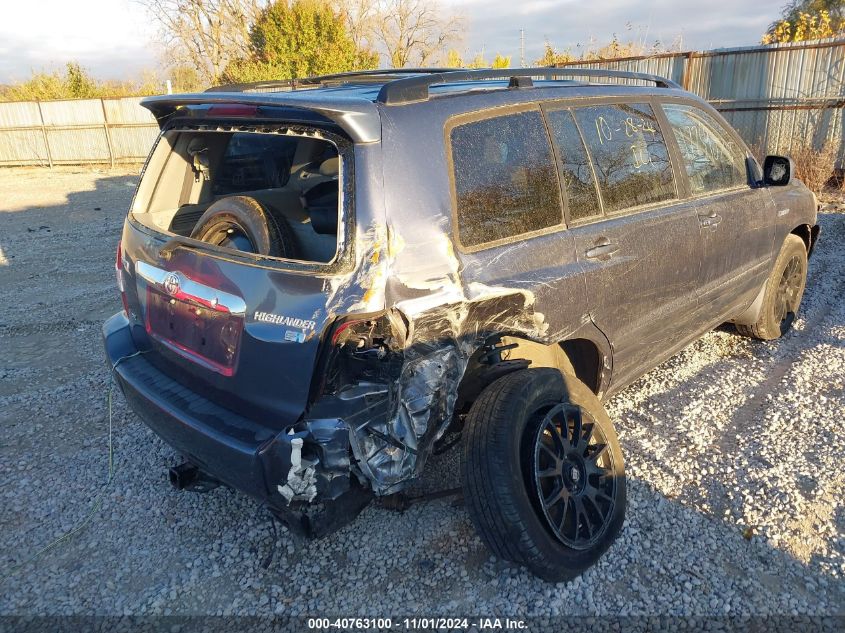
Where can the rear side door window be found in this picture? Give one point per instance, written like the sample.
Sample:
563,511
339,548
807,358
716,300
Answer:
504,178
712,158
579,185
629,154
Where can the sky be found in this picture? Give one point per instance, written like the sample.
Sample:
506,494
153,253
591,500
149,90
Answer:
114,39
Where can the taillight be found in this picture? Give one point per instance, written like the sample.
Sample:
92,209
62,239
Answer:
342,327
118,270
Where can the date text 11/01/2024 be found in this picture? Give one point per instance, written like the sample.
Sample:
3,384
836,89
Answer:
417,624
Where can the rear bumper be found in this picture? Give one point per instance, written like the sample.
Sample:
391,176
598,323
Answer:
236,450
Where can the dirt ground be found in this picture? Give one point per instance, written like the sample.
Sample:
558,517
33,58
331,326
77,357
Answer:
733,450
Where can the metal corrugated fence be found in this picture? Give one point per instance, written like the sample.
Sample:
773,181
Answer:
779,97
75,131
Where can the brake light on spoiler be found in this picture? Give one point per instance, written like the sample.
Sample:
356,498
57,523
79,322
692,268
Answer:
233,109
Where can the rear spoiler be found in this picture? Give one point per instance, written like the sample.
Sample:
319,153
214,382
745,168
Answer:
357,117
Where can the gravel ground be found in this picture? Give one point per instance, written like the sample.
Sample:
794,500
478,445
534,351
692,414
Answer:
733,451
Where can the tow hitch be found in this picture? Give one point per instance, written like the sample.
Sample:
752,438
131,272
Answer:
186,476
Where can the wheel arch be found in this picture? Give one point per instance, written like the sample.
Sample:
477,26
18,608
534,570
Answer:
808,234
586,359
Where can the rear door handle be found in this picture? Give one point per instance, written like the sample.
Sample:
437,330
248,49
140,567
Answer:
710,221
603,251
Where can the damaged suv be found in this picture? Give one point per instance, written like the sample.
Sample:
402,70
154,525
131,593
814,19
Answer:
324,280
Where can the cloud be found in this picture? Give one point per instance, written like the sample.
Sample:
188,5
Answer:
109,37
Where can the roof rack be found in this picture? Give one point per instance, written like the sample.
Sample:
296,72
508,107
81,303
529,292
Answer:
322,80
415,88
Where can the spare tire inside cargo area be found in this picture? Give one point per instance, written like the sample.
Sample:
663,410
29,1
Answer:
242,223
273,192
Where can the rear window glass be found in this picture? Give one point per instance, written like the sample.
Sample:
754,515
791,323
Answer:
230,189
712,158
504,174
254,161
629,154
579,185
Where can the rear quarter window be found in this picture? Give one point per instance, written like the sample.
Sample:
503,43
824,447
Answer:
504,178
629,154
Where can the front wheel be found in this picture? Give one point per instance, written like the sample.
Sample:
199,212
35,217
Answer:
543,474
783,293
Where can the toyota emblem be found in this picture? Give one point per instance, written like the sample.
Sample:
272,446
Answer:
172,283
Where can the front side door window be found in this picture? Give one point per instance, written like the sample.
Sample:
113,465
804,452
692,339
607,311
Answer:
712,158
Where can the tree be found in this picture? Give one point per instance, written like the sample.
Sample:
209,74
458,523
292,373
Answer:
185,79
299,39
79,83
615,48
792,10
501,61
805,26
552,58
454,60
75,83
205,34
411,32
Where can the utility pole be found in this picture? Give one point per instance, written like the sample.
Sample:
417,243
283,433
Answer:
522,48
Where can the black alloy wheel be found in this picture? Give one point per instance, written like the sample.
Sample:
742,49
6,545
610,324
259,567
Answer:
789,293
570,476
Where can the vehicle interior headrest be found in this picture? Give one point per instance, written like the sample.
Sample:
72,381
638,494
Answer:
320,203
330,167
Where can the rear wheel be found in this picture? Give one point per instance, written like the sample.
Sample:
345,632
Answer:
783,293
243,224
543,473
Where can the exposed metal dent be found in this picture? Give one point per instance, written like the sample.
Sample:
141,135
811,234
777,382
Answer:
392,449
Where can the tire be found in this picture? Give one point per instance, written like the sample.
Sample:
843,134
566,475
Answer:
503,478
784,290
242,223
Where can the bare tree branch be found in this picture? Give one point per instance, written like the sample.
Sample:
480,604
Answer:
204,34
406,32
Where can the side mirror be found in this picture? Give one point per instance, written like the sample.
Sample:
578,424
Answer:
777,171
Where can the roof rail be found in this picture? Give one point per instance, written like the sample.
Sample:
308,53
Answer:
415,88
346,77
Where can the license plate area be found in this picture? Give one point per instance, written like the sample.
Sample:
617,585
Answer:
207,336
